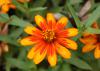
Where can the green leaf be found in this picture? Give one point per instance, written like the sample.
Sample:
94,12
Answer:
55,9
23,53
7,66
93,17
37,9
75,1
19,6
7,39
79,63
76,18
92,30
56,2
19,22
15,33
65,66
39,3
20,64
4,18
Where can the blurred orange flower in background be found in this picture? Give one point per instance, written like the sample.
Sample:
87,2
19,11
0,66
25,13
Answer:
49,38
91,41
5,5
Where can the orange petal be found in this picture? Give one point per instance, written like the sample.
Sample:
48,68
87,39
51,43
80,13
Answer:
88,40
40,55
52,57
30,30
31,53
41,22
72,32
97,52
64,52
88,48
71,44
28,41
2,2
62,22
34,50
12,6
68,33
68,43
5,8
51,20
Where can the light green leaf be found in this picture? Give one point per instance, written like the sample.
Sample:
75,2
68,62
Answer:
75,1
37,9
4,18
20,64
8,67
7,39
79,63
15,33
19,6
92,30
19,22
65,67
93,17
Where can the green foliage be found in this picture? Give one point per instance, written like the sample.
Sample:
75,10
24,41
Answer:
79,63
4,18
93,17
92,30
20,64
15,21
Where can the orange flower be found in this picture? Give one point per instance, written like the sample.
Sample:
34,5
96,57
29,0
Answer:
91,41
5,5
49,39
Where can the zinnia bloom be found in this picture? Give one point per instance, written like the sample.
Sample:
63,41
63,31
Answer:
49,39
91,41
5,5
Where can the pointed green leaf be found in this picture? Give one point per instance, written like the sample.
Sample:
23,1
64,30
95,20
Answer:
92,30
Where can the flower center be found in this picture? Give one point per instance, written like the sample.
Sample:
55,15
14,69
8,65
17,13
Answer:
48,35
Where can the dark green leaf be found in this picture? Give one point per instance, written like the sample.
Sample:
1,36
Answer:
39,3
55,9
